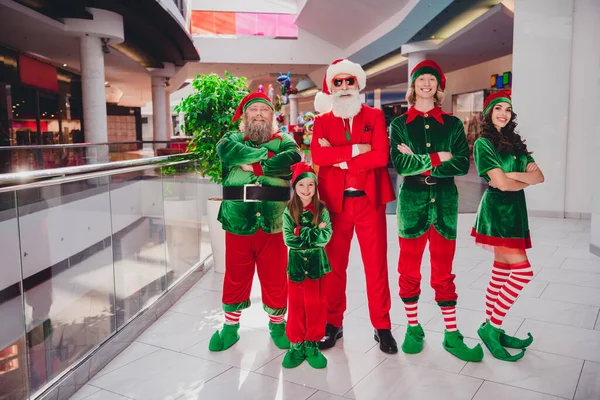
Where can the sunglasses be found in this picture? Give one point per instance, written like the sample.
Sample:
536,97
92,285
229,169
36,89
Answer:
350,81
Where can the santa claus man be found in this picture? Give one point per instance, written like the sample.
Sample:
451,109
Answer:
256,172
350,145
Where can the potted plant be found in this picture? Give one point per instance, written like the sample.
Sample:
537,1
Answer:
207,117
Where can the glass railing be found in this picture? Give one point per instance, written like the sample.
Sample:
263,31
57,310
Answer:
40,157
84,250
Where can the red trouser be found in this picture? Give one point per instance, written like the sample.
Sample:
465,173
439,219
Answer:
358,213
307,313
409,266
263,252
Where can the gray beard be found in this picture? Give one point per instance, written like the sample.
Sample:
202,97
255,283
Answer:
346,107
259,132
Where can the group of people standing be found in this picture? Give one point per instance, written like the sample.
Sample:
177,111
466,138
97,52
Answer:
300,247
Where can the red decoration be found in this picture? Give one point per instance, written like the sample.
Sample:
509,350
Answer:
38,74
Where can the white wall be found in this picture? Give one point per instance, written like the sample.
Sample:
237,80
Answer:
583,109
476,77
258,6
541,90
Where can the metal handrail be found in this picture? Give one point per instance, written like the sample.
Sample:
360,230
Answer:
28,179
78,145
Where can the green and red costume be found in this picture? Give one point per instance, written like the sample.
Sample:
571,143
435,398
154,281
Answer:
253,237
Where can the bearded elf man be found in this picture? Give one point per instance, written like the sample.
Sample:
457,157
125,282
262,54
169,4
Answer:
351,147
429,148
256,172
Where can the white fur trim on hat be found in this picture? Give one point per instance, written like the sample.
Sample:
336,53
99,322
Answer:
347,67
323,102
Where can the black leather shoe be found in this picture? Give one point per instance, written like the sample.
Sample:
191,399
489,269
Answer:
332,334
386,341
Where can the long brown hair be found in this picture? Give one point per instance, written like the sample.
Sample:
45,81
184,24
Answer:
295,207
507,140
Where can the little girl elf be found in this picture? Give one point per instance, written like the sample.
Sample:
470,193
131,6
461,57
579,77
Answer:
306,231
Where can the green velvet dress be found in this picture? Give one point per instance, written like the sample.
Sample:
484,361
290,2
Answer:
502,216
273,159
307,257
420,205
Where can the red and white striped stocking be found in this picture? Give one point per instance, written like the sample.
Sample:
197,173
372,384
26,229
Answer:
520,275
411,313
233,318
500,274
276,319
449,314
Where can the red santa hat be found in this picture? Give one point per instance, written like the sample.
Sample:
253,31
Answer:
300,171
429,67
502,96
323,99
250,99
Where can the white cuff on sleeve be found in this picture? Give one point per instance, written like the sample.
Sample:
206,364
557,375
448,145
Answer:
355,150
344,165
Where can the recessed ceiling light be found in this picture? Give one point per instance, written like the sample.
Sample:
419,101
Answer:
64,65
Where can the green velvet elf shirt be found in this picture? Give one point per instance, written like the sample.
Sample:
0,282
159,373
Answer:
271,162
502,216
420,205
307,257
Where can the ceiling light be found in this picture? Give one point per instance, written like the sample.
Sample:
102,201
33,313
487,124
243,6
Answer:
64,65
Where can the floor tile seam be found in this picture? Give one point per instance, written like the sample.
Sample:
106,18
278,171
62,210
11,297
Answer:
517,387
91,394
288,381
365,377
98,375
109,391
578,380
202,383
208,338
428,366
263,365
309,397
478,389
597,317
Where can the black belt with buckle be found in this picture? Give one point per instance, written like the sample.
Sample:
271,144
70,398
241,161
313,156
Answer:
354,193
254,193
427,180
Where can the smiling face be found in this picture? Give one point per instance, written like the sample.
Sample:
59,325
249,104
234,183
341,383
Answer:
501,114
426,86
305,188
258,122
346,95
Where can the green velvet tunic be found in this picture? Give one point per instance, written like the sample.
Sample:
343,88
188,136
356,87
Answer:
275,158
502,216
420,205
307,257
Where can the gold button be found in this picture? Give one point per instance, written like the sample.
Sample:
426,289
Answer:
426,126
428,144
305,259
258,214
433,200
515,157
305,272
426,115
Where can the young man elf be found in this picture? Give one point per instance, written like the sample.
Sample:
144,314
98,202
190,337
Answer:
256,172
429,148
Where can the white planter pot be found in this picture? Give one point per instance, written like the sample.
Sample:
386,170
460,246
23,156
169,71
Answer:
217,234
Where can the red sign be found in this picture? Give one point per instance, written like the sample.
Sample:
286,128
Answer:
38,74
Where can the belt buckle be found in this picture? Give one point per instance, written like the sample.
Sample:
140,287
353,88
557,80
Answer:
427,181
245,199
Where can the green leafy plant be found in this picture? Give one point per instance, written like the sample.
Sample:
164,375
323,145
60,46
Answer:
207,117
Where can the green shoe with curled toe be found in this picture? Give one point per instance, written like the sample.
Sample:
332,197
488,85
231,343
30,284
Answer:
454,344
513,342
278,335
413,339
225,339
490,336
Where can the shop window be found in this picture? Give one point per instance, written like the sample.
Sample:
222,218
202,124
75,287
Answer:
236,24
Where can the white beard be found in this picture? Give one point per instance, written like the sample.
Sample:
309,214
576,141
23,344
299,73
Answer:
348,106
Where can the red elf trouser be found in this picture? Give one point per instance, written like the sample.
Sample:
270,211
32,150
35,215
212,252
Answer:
260,251
307,311
358,213
409,266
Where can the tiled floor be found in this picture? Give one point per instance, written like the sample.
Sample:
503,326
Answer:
560,308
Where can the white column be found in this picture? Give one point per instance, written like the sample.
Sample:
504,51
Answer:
93,92
293,108
169,117
413,60
159,112
541,81
377,98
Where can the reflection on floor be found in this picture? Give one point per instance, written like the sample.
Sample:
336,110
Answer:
559,307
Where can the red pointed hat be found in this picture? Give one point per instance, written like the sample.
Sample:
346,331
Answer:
300,171
429,67
323,100
249,99
502,96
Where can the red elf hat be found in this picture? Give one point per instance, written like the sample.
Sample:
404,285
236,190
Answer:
502,96
429,67
300,171
250,99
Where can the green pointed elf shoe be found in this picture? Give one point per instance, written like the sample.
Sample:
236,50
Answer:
225,339
413,339
294,356
454,344
491,338
514,342
278,335
315,358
